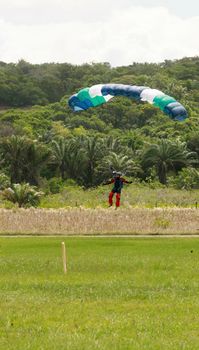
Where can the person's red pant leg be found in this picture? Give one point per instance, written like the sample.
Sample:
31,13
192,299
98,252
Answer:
117,199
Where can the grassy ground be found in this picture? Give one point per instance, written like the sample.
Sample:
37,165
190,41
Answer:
135,195
121,294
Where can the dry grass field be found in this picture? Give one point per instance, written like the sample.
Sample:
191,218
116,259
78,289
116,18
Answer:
99,221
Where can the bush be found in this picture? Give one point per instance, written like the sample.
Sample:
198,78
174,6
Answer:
22,194
4,181
55,185
188,178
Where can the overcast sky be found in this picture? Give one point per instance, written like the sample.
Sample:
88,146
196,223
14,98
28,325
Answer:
115,31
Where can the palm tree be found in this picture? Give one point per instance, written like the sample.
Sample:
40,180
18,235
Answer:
75,159
69,157
38,156
13,150
113,144
93,148
167,155
23,194
59,150
24,158
120,162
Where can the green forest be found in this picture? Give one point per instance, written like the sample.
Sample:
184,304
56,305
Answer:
44,145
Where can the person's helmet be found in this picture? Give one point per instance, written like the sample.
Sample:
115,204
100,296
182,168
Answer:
114,173
117,173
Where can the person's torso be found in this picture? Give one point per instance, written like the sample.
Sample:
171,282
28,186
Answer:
118,184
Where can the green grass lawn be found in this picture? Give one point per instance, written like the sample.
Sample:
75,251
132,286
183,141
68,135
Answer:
118,294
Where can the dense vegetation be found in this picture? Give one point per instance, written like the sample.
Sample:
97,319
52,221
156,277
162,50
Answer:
43,143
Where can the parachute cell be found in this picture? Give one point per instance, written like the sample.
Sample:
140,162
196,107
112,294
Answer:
102,93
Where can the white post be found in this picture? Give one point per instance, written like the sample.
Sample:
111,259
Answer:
64,257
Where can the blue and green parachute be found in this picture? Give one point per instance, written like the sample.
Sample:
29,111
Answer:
98,94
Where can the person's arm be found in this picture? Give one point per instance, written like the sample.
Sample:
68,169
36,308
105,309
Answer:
126,181
108,182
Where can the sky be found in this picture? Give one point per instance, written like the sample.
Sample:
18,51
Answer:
116,31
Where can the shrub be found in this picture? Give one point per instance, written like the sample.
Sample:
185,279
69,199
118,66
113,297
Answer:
4,181
22,194
55,185
188,178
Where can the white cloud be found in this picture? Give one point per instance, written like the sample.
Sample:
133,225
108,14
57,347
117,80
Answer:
127,34
56,11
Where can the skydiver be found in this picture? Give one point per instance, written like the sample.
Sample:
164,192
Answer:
118,182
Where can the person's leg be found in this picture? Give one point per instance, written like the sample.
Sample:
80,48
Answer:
118,195
110,198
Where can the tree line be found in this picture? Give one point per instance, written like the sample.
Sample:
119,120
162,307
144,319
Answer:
88,160
25,84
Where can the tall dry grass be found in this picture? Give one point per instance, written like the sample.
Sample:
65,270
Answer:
99,221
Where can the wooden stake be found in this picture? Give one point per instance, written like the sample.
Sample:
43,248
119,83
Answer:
64,257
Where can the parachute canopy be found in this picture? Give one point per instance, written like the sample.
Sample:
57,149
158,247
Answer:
98,94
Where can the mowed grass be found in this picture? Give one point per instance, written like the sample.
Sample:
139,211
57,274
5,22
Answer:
119,293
